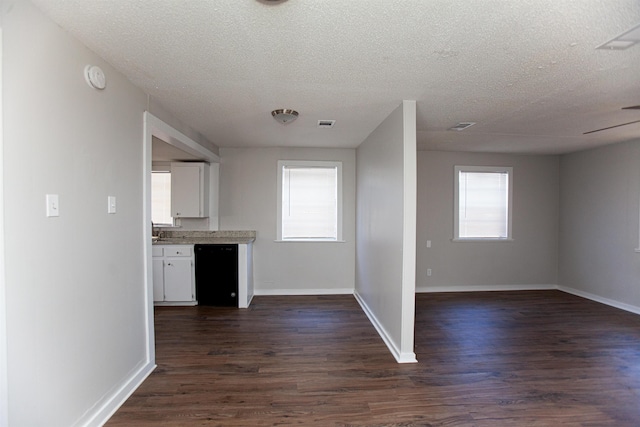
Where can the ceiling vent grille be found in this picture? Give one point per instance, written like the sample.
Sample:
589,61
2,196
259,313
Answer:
326,123
462,125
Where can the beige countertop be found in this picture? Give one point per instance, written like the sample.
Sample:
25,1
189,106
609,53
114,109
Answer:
175,237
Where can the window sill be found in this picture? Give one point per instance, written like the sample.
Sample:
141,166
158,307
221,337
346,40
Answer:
310,241
475,240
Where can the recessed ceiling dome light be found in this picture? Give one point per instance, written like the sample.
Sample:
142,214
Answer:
284,115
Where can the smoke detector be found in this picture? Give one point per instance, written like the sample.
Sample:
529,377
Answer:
462,126
284,115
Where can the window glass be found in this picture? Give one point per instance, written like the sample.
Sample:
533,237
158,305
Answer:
309,202
161,198
483,203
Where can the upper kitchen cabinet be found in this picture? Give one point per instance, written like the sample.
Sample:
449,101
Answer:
190,187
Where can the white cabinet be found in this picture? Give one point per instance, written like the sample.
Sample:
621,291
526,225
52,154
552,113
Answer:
190,190
173,275
158,279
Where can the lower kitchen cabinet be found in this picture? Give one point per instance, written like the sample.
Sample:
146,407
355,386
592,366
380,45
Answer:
173,275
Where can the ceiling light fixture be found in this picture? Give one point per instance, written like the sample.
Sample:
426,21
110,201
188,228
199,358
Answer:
462,126
623,41
284,115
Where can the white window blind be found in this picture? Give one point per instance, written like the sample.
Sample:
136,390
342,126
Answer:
161,198
483,203
310,200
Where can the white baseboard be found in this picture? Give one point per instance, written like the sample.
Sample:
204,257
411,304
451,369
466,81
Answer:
602,300
395,351
109,404
338,291
484,288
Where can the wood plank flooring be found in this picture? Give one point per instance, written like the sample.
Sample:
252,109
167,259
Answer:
539,358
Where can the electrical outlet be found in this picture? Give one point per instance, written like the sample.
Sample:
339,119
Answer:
428,243
428,272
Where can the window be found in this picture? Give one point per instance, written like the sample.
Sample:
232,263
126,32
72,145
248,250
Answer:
161,198
309,201
482,202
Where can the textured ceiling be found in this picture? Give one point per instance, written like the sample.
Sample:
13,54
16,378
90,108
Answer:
526,71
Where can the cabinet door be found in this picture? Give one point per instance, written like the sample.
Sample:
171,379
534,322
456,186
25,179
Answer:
186,200
178,280
158,279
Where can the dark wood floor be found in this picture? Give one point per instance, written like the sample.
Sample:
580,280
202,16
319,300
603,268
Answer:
540,358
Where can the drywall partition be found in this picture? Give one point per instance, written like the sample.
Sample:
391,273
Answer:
77,337
386,229
4,407
248,196
529,261
189,134
600,197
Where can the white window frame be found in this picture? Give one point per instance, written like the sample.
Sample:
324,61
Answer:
309,164
456,201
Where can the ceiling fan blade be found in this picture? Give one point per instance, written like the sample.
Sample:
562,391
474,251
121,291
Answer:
635,107
611,127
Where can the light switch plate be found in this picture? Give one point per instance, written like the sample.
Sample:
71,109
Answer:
53,205
111,204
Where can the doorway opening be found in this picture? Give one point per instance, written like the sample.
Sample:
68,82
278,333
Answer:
167,143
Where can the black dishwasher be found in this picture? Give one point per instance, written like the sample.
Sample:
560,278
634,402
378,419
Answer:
217,275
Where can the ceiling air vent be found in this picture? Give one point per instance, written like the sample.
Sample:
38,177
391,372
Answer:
326,123
462,125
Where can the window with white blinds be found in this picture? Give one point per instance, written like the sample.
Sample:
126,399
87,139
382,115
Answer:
309,200
482,203
161,198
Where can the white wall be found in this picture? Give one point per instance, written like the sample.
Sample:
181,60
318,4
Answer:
530,261
386,229
75,296
248,202
600,192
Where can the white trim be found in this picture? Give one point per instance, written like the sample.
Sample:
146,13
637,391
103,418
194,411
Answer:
148,131
602,300
310,164
395,351
638,248
310,241
291,292
409,232
481,240
4,381
485,288
109,404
